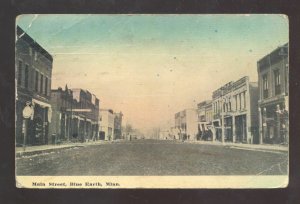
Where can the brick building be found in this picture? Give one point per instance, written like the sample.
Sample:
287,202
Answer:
33,84
85,115
235,117
273,81
62,102
75,115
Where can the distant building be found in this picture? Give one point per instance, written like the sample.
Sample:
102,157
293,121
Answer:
186,123
204,112
33,81
106,124
174,133
118,125
85,114
165,135
237,101
273,81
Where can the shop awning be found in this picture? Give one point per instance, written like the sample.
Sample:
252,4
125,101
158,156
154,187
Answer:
42,104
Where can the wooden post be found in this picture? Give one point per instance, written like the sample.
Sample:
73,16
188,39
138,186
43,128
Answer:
233,129
222,121
278,136
260,126
25,123
264,125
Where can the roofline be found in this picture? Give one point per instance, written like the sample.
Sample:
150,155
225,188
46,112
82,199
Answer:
284,45
31,41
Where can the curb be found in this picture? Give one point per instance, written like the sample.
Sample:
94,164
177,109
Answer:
34,152
258,149
232,145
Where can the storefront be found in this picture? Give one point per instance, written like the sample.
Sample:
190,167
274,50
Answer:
33,130
228,129
217,130
241,128
275,123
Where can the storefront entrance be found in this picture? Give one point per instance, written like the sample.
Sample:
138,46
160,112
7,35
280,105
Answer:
241,128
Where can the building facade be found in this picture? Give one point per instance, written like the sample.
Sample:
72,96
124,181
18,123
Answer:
118,125
62,103
106,124
174,133
204,111
165,134
33,84
85,115
273,81
235,112
186,123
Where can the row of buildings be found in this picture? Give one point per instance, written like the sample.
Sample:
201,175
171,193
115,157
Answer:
242,111
48,116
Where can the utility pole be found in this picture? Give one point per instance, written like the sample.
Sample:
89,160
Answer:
260,126
222,117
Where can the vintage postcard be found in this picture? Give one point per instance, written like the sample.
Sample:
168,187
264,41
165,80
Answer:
152,101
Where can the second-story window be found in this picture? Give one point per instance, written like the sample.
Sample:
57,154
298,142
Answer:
236,102
26,76
35,55
46,86
240,102
277,82
265,86
244,94
20,73
42,83
36,85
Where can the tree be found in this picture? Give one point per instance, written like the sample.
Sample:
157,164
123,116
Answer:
128,128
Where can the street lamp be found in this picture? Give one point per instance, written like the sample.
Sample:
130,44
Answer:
28,112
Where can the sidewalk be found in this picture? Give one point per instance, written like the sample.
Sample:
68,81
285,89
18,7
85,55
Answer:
266,147
31,150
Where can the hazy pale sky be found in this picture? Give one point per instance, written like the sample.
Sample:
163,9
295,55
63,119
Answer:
152,66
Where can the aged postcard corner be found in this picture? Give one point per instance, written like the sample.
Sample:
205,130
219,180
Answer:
18,184
152,101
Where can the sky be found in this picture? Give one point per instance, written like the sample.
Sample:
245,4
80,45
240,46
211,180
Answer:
152,66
